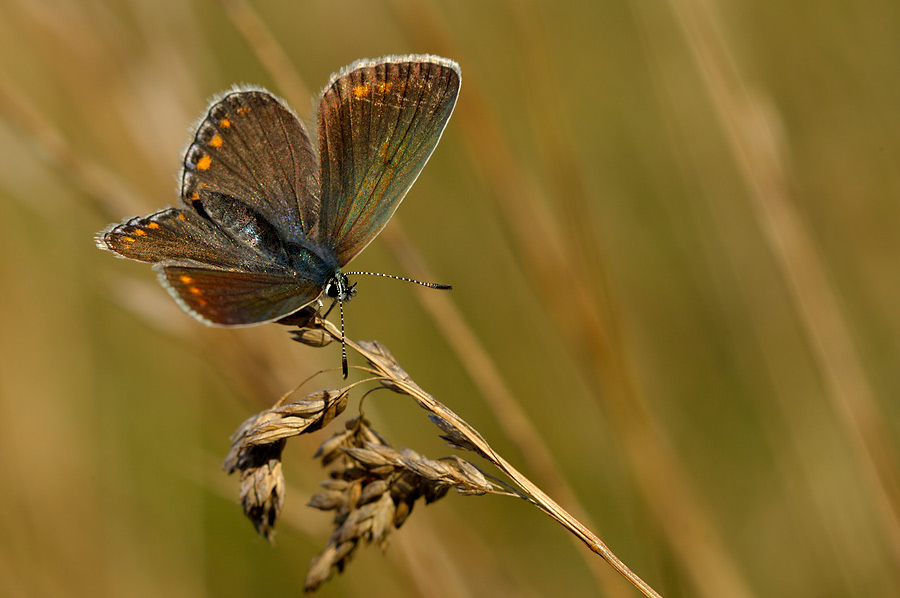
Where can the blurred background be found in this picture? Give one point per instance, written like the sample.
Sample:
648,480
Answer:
673,233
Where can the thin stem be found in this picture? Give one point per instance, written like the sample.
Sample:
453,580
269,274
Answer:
397,377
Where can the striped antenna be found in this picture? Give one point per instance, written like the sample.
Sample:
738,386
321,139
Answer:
430,285
344,366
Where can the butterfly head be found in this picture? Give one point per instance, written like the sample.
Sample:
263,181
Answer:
339,287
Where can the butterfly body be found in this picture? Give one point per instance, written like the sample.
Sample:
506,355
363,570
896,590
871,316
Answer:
266,222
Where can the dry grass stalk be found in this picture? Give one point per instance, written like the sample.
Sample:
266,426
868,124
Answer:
256,449
372,487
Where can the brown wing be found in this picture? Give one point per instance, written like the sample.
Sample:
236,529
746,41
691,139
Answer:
379,122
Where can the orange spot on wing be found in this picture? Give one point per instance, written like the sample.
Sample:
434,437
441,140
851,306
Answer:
243,110
140,233
224,123
153,225
195,196
216,141
195,291
384,86
360,91
202,302
185,279
204,163
128,239
182,217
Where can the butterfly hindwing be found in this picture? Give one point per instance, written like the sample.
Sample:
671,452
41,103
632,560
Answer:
233,298
253,148
379,122
175,235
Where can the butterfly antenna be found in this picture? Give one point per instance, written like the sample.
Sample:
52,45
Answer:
343,343
430,285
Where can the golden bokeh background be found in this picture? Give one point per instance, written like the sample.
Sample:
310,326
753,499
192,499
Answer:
673,231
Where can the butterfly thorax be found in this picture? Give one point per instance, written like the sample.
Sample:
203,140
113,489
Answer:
307,260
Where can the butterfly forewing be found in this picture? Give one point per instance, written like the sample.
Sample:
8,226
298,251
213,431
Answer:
230,298
379,122
253,148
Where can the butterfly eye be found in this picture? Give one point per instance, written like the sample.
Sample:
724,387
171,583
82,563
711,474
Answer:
332,290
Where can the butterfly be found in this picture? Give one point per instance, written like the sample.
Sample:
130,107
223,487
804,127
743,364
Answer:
267,220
